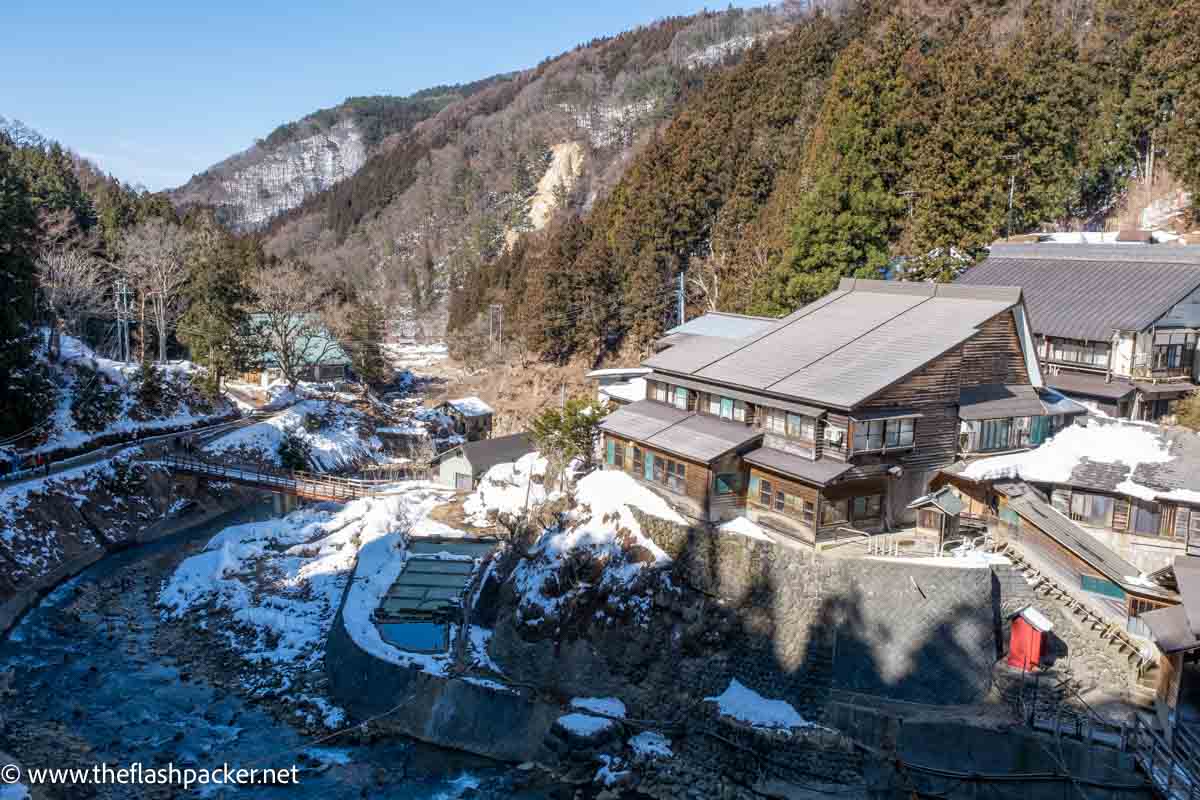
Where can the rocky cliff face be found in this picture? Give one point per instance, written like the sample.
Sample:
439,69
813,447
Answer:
253,187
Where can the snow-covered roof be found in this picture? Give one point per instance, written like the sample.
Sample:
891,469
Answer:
1132,458
630,391
470,406
1036,618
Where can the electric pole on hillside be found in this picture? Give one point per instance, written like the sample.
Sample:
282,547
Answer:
680,294
124,311
496,324
1012,185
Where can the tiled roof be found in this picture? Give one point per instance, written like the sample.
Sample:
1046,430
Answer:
1088,291
820,472
847,346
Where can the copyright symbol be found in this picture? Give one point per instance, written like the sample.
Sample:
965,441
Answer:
10,773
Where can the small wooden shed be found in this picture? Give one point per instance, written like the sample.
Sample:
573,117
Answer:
1027,641
937,514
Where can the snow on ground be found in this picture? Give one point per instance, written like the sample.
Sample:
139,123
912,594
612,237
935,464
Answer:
649,744
747,705
1126,443
584,724
600,526
280,581
609,706
406,355
743,526
479,640
510,488
337,443
189,408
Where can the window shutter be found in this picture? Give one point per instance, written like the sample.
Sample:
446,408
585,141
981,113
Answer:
754,484
612,451
649,466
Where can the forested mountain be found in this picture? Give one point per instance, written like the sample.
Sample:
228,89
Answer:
450,195
297,159
869,132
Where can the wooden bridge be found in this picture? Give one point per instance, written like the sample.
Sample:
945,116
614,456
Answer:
307,485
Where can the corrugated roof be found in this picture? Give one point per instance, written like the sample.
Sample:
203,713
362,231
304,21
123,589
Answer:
820,472
847,346
1088,291
1058,527
699,437
722,325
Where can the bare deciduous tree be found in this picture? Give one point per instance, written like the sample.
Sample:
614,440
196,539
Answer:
73,285
289,320
155,260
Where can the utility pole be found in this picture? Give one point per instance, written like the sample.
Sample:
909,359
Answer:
496,324
1012,185
680,293
121,298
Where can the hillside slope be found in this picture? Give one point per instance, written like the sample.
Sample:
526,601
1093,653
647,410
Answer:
301,158
442,200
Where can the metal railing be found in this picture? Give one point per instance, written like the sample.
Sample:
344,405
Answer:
303,484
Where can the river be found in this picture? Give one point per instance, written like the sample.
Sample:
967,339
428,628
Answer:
89,687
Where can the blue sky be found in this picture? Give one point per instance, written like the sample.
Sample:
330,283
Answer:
156,90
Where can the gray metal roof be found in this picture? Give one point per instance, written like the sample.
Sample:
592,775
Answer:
1170,629
996,401
722,325
1175,388
1088,291
944,498
847,346
820,472
1047,519
487,453
1187,578
642,419
1087,385
698,437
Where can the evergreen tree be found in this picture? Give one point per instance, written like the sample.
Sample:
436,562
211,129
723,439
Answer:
27,391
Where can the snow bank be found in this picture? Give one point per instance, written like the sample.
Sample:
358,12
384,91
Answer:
609,706
599,527
338,443
508,489
281,580
1125,443
747,705
742,526
649,744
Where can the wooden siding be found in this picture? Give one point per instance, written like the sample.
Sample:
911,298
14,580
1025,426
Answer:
697,477
778,520
994,354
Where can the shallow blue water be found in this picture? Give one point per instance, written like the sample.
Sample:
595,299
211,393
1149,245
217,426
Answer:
99,677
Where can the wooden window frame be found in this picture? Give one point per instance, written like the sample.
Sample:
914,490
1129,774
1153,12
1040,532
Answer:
905,430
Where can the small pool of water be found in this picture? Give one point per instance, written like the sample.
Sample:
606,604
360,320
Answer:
419,637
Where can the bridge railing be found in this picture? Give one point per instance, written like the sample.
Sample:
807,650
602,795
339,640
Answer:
290,481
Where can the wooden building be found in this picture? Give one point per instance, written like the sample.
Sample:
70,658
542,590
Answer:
470,418
833,418
1134,487
1115,325
462,466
